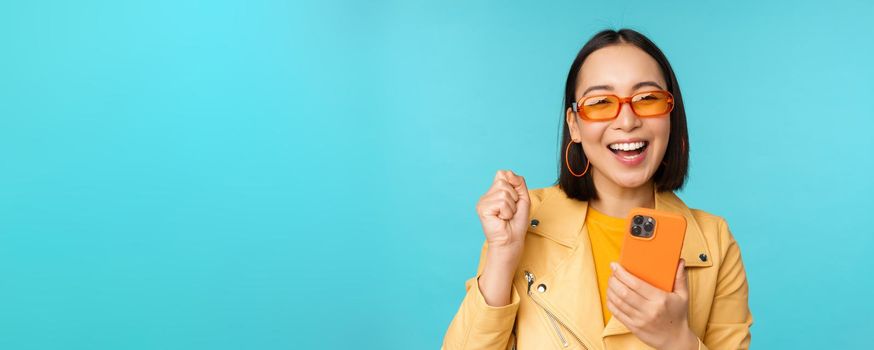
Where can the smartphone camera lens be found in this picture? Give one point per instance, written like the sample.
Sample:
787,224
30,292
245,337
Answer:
635,230
638,219
648,226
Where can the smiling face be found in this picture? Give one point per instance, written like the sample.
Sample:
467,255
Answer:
628,150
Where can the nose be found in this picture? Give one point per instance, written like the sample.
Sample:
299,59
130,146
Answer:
626,120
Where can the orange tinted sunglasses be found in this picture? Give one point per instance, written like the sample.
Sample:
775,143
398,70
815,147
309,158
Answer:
607,107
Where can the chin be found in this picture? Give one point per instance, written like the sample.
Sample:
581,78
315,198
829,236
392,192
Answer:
631,179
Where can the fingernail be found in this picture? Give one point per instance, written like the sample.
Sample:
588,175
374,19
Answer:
613,266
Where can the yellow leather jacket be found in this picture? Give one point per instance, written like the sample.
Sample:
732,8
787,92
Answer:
555,302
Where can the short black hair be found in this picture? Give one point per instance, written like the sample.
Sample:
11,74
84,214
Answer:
672,173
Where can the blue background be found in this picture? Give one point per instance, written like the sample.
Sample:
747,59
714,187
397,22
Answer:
277,175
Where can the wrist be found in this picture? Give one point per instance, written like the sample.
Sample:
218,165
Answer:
686,340
505,256
496,284
500,269
505,249
690,340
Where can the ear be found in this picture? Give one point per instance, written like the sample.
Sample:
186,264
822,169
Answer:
573,124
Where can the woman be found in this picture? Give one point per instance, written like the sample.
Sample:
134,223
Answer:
547,276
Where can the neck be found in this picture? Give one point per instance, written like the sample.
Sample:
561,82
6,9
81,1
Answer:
615,200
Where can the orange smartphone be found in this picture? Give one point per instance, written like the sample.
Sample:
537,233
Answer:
652,244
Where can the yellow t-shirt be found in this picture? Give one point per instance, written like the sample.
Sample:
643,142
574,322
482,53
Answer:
606,234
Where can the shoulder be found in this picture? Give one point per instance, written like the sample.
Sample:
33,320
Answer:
541,194
714,228
707,219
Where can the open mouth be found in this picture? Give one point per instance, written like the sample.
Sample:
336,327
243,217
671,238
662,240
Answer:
628,149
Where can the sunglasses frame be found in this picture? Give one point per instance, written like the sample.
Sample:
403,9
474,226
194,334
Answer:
622,101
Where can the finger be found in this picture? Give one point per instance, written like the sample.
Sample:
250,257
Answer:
522,190
506,209
504,175
502,191
620,291
502,208
512,178
624,299
499,192
502,185
681,286
621,316
518,184
505,190
500,211
499,175
646,290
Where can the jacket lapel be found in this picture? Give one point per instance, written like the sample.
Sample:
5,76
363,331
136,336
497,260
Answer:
572,292
694,245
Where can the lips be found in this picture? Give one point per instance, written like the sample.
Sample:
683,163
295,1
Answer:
629,152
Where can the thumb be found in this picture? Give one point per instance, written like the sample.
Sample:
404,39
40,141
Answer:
523,205
520,186
680,284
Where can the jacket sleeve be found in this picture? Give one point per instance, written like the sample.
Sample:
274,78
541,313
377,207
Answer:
477,325
730,317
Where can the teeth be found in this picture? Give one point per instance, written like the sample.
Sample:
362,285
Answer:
630,146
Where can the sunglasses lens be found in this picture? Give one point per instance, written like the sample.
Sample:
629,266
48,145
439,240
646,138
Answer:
652,103
600,107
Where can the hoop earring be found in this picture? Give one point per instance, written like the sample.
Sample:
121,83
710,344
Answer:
568,163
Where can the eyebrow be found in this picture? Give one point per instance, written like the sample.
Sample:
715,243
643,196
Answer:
635,87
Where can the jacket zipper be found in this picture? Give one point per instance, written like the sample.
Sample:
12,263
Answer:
557,330
529,277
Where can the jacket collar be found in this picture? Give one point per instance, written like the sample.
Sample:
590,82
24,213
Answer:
561,219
